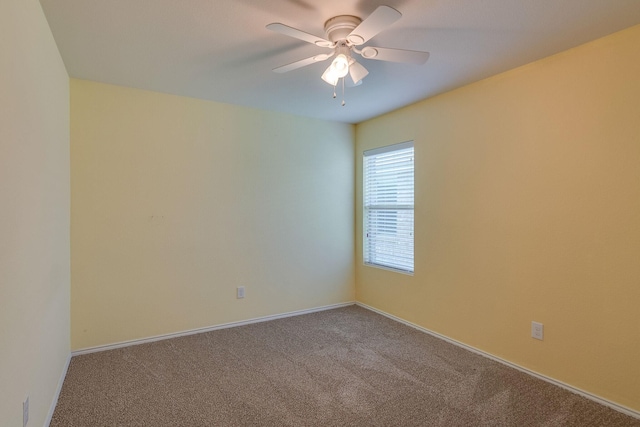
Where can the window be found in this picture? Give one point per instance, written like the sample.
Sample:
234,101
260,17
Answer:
388,207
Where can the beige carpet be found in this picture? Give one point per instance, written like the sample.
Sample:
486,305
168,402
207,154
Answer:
342,367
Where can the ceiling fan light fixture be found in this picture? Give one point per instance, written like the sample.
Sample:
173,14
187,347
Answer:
357,72
340,65
330,76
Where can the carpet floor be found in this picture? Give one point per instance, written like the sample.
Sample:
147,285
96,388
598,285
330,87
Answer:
341,367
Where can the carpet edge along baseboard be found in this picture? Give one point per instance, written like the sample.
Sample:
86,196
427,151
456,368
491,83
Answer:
187,332
601,400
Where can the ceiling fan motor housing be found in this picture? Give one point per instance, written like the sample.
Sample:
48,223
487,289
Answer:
339,27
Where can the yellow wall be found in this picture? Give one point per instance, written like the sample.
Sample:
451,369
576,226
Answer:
34,213
527,208
175,202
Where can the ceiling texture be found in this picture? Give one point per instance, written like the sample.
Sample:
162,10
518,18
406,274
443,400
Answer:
220,50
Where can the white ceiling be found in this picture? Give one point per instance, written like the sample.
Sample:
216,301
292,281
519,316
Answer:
220,50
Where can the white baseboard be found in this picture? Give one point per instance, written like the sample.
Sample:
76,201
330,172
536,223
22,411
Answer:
54,402
590,396
207,329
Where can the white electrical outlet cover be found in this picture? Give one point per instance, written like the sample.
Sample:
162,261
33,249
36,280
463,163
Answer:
537,330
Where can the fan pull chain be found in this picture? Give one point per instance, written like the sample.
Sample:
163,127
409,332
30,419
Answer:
334,91
343,91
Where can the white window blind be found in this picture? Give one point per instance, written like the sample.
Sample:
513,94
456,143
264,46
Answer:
388,207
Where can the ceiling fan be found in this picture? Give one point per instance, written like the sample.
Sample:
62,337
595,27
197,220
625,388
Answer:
344,35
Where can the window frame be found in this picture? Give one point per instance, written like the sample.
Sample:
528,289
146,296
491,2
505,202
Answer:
404,233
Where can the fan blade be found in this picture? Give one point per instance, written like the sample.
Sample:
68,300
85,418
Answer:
395,55
302,63
300,35
357,72
379,20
